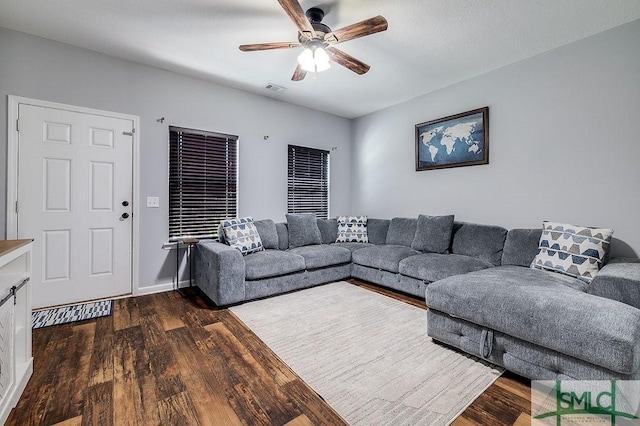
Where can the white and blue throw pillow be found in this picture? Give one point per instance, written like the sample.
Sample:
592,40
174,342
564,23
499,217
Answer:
352,229
242,235
572,250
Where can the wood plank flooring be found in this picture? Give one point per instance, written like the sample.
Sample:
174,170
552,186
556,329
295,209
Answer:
166,360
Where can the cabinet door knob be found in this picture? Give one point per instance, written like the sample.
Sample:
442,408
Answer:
125,215
125,203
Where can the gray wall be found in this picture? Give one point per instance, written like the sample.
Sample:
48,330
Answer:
564,138
42,69
564,144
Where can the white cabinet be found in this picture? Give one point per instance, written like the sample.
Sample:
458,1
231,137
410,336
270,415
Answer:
16,362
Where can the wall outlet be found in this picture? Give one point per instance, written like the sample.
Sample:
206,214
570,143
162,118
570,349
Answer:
153,202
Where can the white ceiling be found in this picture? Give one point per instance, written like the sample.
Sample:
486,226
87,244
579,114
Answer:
430,44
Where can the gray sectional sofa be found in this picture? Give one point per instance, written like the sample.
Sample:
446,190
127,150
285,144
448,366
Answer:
227,277
482,296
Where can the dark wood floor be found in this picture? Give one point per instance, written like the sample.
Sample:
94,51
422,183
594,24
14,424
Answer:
166,360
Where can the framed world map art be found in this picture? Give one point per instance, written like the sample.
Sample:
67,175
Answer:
454,141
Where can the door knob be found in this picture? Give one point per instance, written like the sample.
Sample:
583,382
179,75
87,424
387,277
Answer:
125,215
125,203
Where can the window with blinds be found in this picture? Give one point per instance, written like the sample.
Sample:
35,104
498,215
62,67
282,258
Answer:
203,181
308,181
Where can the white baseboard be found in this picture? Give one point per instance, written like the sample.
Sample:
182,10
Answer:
159,288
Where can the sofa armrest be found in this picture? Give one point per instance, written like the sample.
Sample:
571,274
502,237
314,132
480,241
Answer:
219,272
618,280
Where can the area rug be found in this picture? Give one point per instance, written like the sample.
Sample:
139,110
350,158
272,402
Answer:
368,355
72,313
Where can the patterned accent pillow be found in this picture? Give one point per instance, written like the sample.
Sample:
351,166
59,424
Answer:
352,229
242,235
572,250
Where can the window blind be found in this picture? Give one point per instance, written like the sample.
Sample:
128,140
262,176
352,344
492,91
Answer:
203,180
308,181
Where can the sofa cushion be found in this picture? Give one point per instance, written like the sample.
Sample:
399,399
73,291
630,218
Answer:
242,235
431,267
328,230
401,231
268,233
618,280
353,246
352,229
271,263
386,257
322,255
433,234
377,230
482,241
542,307
303,229
521,246
572,250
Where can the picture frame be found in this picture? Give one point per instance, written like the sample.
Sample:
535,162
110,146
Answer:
454,141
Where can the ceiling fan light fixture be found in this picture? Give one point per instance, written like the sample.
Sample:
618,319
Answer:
321,59
318,40
305,59
314,60
322,66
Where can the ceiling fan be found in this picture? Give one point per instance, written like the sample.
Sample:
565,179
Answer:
318,40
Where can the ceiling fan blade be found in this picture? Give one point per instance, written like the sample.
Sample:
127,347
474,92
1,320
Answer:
299,74
268,46
359,29
347,61
297,15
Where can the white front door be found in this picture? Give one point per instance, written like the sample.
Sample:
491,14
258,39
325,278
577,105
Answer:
75,199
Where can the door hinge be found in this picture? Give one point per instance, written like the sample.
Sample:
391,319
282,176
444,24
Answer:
17,125
131,133
16,207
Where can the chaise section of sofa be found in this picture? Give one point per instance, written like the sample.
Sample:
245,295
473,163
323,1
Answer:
517,355
540,324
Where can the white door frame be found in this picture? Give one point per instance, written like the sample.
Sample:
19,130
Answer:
12,169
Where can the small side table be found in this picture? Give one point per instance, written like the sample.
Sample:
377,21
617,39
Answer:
189,244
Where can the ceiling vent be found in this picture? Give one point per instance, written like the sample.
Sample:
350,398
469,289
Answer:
275,88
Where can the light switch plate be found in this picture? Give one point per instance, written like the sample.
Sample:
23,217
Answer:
153,202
